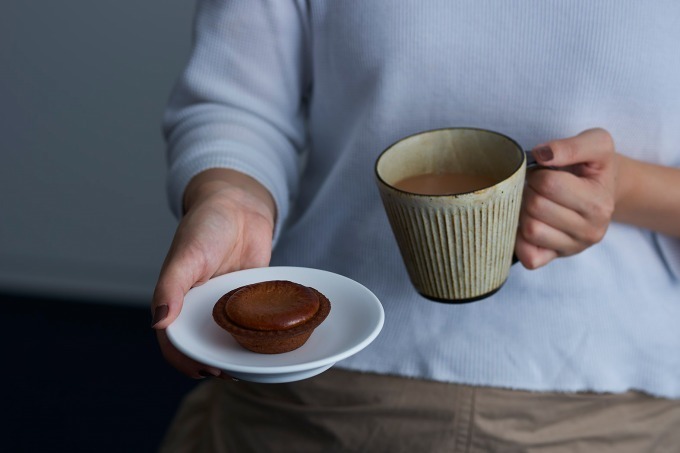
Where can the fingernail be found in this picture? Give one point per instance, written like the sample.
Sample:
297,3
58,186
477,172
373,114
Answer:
159,314
205,373
544,153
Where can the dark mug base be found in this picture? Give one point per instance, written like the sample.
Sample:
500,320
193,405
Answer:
462,301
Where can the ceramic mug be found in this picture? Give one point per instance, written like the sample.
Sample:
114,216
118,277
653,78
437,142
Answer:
457,247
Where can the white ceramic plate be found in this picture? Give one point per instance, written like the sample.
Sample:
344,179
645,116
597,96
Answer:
355,320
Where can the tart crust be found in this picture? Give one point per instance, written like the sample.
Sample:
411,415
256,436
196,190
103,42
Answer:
258,335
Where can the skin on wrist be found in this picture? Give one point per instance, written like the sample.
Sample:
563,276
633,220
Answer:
214,180
648,196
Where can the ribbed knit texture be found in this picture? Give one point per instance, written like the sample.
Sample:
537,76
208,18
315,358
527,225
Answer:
305,95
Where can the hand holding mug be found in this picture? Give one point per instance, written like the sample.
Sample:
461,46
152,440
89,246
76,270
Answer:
565,212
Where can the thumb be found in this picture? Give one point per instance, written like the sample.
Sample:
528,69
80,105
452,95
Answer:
168,297
593,147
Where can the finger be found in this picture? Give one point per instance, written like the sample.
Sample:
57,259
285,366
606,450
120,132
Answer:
561,188
579,195
591,151
168,297
181,362
542,235
552,213
178,275
183,268
532,256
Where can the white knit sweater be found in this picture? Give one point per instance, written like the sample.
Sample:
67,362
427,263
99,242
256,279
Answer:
304,96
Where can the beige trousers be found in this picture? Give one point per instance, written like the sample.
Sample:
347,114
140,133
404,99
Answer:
343,411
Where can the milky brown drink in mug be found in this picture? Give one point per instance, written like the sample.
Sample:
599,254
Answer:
452,197
443,183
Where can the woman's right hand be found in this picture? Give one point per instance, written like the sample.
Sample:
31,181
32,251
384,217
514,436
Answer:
228,226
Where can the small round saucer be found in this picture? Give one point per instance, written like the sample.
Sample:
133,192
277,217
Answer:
355,320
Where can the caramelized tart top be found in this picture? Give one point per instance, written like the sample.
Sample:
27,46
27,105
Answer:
272,305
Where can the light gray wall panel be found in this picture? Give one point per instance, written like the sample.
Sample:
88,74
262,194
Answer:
83,84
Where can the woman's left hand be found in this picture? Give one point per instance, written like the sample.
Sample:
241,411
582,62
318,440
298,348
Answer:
565,212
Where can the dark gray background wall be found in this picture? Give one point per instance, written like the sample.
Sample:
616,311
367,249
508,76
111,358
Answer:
83,84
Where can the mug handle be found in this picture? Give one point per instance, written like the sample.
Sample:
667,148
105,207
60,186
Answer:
532,163
531,160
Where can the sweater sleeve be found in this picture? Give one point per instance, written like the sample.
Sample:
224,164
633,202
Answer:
240,102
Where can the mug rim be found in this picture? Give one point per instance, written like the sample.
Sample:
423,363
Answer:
441,129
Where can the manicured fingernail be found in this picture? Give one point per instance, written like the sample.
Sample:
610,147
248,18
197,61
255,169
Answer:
159,314
544,153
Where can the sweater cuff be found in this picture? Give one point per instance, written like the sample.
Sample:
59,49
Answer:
187,167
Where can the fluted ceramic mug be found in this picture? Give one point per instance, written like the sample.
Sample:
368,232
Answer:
457,247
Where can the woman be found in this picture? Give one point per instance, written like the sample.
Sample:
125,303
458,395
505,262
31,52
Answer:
272,133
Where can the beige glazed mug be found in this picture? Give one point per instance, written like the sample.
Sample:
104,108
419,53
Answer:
452,197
